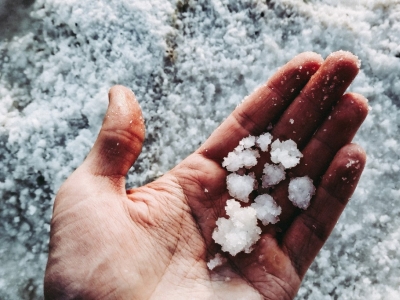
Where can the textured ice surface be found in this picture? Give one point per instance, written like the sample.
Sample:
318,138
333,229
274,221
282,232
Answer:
190,63
217,261
240,157
263,141
286,153
238,233
267,209
301,190
248,142
273,174
240,186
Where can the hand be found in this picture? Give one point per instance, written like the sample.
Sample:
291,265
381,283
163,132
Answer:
153,242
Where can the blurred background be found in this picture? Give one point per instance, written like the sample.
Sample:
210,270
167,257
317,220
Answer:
189,63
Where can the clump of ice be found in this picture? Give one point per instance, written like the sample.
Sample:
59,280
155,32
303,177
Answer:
263,141
240,186
238,233
286,153
273,174
242,155
301,190
217,261
267,209
248,142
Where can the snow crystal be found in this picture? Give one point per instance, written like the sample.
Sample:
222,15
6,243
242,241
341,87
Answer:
248,142
238,233
239,158
240,186
263,141
273,174
301,190
217,261
286,153
267,209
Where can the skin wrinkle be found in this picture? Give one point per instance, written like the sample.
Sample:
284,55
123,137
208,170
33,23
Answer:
275,89
304,246
200,232
131,136
315,227
270,277
170,260
151,190
198,219
115,180
178,236
237,270
273,278
176,253
324,143
315,108
296,263
243,120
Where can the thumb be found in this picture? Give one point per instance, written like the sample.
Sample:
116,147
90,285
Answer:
121,137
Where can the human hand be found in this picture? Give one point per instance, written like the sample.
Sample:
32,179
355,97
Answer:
153,242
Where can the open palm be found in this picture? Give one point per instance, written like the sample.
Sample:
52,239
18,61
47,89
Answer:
153,242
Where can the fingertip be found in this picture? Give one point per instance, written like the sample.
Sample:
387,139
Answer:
306,63
359,102
352,151
309,57
291,78
351,110
121,137
119,91
346,61
124,111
